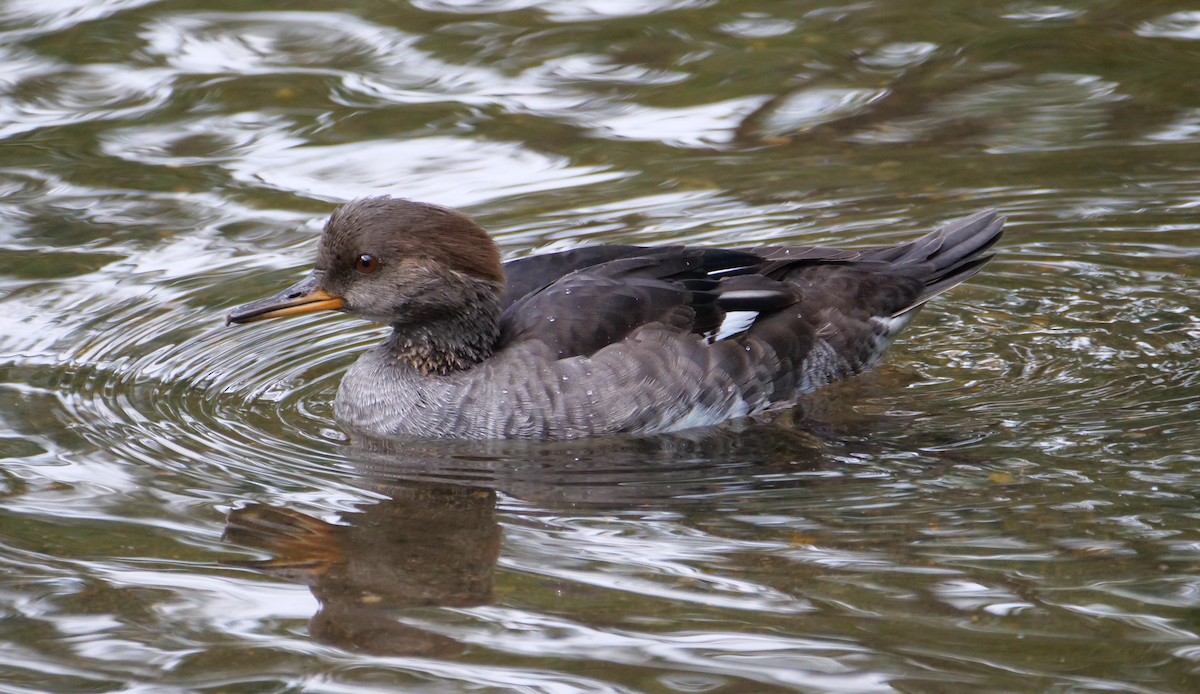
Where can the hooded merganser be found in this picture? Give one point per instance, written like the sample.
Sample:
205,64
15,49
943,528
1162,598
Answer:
602,339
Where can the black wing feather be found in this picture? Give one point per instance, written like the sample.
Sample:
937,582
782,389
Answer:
593,306
536,272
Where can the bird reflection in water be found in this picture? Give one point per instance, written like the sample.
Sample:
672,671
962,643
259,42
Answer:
435,539
430,544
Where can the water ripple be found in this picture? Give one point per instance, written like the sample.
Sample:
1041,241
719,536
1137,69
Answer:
1006,504
246,43
44,96
24,19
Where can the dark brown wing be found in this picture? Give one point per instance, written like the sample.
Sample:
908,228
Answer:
689,290
534,273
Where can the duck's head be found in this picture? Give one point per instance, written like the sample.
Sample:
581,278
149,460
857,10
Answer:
392,261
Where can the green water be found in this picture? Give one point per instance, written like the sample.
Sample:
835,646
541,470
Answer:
1009,504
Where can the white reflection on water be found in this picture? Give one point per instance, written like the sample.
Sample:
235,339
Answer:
40,95
280,43
1179,25
445,170
564,10
685,126
27,18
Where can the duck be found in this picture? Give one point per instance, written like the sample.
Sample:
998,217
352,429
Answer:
602,339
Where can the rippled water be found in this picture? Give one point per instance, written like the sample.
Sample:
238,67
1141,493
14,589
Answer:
1009,504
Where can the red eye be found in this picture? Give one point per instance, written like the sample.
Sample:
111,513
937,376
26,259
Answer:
366,264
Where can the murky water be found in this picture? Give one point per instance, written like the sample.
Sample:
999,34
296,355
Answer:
1008,505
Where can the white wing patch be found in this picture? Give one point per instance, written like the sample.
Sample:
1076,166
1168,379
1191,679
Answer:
735,322
721,272
750,294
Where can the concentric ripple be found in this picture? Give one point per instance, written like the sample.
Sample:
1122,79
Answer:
210,399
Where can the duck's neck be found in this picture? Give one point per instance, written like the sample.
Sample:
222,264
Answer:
453,340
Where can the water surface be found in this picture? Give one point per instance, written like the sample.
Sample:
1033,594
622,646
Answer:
1009,504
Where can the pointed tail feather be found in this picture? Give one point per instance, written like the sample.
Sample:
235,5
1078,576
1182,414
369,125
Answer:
950,255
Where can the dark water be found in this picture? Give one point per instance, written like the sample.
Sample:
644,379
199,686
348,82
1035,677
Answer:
1008,505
